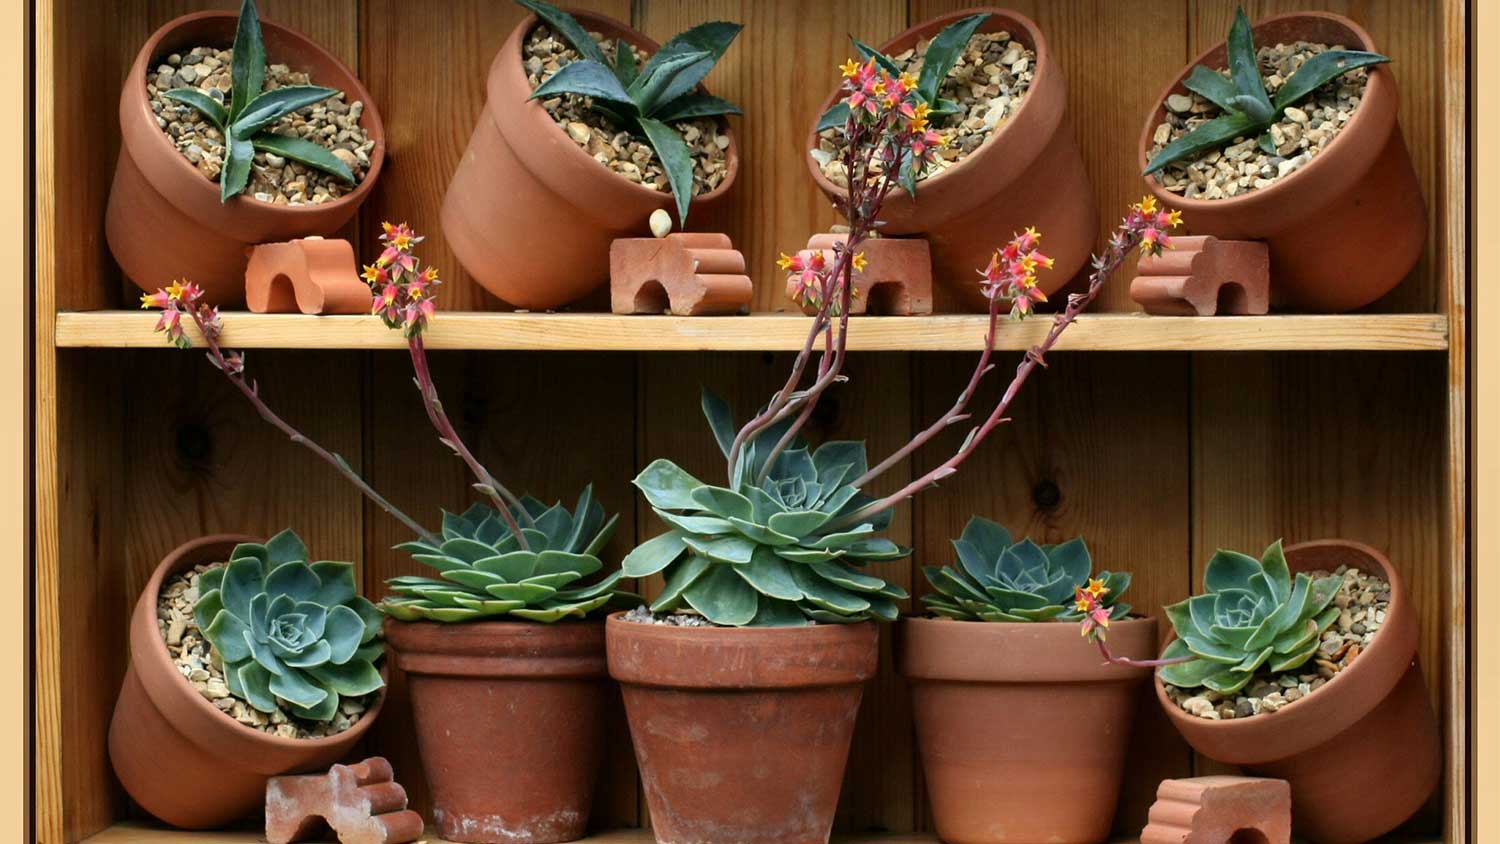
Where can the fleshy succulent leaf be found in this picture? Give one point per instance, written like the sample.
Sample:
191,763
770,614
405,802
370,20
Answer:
943,52
567,26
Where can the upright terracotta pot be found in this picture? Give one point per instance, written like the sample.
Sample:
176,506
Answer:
741,734
510,724
1022,727
1363,752
178,756
1029,172
165,221
529,213
1345,228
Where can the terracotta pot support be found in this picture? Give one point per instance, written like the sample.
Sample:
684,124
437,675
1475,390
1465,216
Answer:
897,280
361,803
1202,276
309,274
1215,810
688,274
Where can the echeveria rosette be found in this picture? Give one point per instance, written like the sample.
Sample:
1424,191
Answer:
245,123
644,101
1253,615
1248,110
763,554
288,631
483,572
1001,580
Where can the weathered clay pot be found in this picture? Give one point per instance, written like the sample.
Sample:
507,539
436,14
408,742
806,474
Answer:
1362,753
1345,228
180,758
741,734
1022,727
529,213
510,724
165,220
1028,173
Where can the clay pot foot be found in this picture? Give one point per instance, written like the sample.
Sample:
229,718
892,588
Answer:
310,275
897,279
1202,276
687,274
360,803
1216,810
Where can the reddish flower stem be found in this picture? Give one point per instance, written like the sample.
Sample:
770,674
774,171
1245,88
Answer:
252,392
1137,663
502,498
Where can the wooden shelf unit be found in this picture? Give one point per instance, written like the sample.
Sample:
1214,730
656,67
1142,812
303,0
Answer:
1210,432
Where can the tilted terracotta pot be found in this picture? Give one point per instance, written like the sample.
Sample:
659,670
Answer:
177,755
529,213
510,724
1022,727
165,221
741,734
1364,751
1029,172
1345,228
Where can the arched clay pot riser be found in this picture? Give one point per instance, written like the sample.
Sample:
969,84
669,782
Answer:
995,705
529,213
1345,228
164,220
1029,172
741,735
1370,731
530,699
181,759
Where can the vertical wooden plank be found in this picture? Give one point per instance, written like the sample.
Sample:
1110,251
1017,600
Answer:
874,406
1316,446
547,424
778,71
1097,449
1142,45
427,70
1412,35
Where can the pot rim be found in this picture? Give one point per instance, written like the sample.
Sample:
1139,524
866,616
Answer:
499,649
1380,81
1045,65
1134,637
135,93
185,556
1363,671
508,63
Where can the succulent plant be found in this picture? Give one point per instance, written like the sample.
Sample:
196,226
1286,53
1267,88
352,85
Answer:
1253,614
644,101
762,554
1248,109
1000,580
290,631
484,573
245,121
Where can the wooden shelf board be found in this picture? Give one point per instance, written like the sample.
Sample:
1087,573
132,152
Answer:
780,332
132,832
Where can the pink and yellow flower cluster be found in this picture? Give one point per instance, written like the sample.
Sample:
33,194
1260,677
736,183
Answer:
1089,600
403,289
1011,273
874,96
1150,224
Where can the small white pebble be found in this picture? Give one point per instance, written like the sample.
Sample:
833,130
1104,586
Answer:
661,223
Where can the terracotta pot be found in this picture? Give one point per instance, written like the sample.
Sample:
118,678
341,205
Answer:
1370,731
1000,709
510,724
529,213
741,733
165,220
179,757
1028,173
1345,228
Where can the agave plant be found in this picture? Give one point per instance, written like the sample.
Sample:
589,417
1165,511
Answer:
1248,110
1253,614
644,101
288,632
483,571
245,121
762,553
1001,580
